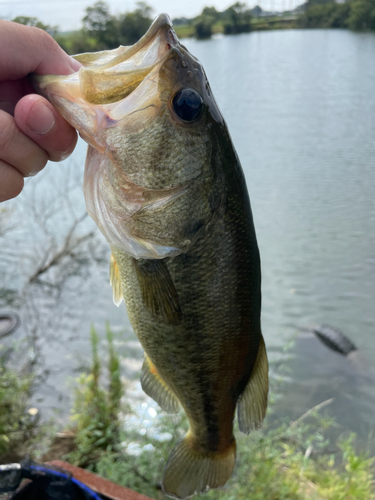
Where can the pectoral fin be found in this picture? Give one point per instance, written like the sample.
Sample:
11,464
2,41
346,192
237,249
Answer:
114,279
252,404
159,294
155,387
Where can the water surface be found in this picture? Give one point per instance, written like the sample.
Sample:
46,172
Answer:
300,107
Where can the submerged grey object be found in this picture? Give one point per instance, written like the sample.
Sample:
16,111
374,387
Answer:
9,322
334,339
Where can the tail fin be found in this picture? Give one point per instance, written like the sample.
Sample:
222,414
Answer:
190,471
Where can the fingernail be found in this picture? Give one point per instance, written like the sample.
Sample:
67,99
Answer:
75,64
40,119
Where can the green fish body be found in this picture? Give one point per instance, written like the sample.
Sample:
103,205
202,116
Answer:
164,184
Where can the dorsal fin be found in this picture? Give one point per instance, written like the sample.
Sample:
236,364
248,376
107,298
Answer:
115,281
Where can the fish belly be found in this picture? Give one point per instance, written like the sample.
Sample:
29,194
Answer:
205,353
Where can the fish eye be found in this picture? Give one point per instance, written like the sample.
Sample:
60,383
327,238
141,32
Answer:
188,105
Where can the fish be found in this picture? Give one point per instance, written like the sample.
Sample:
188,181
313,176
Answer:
165,186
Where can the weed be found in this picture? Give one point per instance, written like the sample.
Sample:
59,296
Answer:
20,430
95,411
293,461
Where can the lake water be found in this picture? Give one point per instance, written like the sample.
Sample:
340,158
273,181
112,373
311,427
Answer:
300,106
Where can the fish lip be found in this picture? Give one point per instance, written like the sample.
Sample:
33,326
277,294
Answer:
161,21
114,58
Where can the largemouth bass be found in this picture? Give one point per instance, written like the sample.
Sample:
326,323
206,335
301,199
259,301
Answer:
165,186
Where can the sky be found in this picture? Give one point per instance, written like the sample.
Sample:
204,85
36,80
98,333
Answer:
67,14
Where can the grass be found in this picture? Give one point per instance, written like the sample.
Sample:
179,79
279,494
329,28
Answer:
184,30
286,463
96,409
20,430
292,461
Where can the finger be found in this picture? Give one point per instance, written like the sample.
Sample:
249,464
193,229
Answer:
18,150
11,182
39,120
25,50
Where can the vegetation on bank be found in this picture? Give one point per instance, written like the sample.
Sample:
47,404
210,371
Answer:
101,30
96,410
291,461
20,430
358,15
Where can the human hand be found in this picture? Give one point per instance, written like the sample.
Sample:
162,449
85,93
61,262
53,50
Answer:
31,130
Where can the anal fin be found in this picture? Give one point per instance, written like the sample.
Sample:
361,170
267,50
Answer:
115,281
252,405
155,387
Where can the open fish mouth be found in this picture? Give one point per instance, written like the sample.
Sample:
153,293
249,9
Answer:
120,81
112,75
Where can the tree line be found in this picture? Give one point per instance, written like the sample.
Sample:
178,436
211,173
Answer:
102,30
358,15
235,19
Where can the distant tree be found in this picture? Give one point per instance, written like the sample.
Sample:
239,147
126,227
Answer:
97,17
237,19
256,11
76,42
325,15
133,25
340,15
203,27
34,21
177,21
362,15
101,25
211,12
203,23
309,3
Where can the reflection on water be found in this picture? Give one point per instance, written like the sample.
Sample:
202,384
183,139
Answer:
301,110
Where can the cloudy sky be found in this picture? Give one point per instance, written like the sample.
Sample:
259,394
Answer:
67,14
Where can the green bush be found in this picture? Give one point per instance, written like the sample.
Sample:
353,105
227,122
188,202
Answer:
203,27
237,19
103,31
328,15
96,410
362,15
20,430
14,394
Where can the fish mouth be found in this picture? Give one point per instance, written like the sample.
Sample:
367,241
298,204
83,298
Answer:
112,84
109,76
